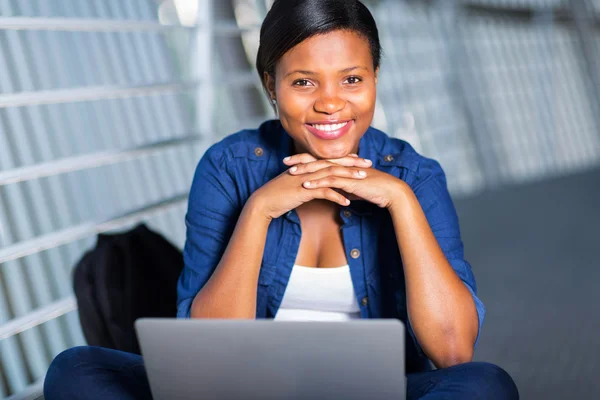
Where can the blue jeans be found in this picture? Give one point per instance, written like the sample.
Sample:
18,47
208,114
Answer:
98,373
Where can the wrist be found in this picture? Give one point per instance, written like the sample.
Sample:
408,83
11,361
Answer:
256,208
399,196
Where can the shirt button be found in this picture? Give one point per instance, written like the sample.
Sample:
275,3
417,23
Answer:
365,301
258,151
347,214
388,158
355,253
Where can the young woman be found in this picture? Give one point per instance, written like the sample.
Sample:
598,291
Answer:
318,216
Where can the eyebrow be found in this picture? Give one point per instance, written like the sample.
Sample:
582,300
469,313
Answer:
306,72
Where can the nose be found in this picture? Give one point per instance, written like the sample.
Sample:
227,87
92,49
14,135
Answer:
329,103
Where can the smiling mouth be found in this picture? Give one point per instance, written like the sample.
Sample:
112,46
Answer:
329,127
330,130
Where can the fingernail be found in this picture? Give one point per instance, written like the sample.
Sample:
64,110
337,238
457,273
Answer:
368,161
362,173
347,201
293,169
287,159
306,184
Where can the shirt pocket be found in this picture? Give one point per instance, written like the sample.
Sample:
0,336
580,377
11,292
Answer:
266,275
265,278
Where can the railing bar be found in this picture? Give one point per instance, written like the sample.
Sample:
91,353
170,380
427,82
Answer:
523,13
105,92
228,28
111,25
83,24
93,160
31,392
89,93
68,235
37,317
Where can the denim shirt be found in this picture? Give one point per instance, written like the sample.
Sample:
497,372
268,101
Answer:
232,169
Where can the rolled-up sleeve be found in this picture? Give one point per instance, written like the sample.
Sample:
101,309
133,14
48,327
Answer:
213,209
431,190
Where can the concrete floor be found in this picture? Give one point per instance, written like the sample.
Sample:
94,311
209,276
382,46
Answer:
534,251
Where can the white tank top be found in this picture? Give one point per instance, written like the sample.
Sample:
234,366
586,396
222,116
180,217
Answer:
319,294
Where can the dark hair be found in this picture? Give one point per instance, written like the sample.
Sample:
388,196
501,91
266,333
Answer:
290,22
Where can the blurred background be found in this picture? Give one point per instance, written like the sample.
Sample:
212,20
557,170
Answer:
106,106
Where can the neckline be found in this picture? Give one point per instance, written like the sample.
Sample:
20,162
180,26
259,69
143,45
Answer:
341,267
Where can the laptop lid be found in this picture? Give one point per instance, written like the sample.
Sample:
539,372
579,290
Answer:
266,359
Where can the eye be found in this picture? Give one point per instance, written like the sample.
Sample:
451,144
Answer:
353,80
302,82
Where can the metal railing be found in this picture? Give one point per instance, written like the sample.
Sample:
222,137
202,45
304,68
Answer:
94,110
500,92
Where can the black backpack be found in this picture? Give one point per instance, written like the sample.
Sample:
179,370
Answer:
125,277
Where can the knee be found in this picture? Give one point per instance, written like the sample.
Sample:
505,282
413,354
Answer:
64,370
73,358
491,382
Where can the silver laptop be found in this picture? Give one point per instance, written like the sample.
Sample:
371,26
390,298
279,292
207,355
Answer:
265,359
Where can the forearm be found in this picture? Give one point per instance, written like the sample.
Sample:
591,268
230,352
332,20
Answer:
440,308
231,290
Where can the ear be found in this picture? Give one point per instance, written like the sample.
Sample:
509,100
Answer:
376,75
269,84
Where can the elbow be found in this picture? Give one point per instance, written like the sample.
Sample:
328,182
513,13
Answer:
454,353
458,348
454,358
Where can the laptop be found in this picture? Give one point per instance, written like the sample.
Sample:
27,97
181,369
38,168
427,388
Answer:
266,359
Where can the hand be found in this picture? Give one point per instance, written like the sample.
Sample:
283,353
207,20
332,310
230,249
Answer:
375,186
285,192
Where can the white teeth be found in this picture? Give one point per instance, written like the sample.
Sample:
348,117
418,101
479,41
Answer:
329,127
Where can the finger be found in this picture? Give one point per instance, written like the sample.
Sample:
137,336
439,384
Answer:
346,184
349,196
331,195
336,171
310,167
352,161
323,164
301,158
348,161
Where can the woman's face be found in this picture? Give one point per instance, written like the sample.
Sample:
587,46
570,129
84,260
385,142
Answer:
325,89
